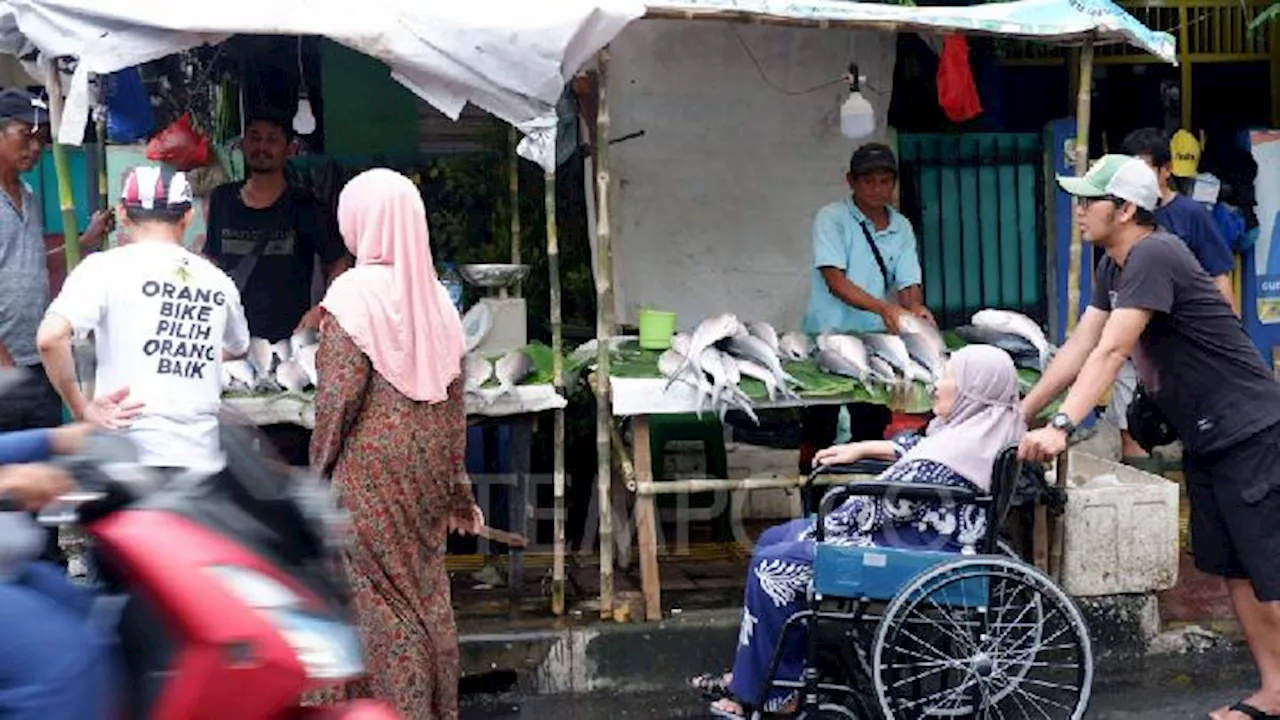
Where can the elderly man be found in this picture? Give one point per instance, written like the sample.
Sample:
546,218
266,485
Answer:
866,276
1154,301
24,270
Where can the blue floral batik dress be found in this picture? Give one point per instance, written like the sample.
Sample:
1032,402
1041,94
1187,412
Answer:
782,565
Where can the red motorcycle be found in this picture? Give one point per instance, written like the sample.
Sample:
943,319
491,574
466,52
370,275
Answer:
223,595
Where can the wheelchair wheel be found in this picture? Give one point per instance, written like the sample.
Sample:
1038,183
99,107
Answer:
982,632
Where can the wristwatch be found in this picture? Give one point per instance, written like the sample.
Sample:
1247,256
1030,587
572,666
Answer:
1060,421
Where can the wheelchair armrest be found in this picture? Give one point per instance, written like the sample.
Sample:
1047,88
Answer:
866,466
897,491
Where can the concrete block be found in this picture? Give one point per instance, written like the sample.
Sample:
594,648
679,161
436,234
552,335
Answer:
1121,529
1121,625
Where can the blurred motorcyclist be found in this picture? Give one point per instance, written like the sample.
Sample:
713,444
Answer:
53,663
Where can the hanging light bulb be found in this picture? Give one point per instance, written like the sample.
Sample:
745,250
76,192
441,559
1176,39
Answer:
857,117
304,121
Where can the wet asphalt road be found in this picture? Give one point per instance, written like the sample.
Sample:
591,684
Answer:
1143,703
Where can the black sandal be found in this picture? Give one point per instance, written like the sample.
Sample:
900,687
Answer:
1254,713
713,686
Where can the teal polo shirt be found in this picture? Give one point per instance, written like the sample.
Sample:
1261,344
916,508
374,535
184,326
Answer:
838,241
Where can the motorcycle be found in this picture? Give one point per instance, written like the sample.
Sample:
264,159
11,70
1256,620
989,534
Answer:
221,590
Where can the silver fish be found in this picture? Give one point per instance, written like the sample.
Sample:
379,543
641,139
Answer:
748,368
478,370
283,351
924,332
263,361
302,339
1014,323
794,346
708,333
291,376
830,361
889,347
765,332
260,357
237,376
725,376
510,369
852,349
672,365
882,370
680,343
916,371
306,357
758,351
923,351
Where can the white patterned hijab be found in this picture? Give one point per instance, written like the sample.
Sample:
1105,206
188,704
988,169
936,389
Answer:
986,418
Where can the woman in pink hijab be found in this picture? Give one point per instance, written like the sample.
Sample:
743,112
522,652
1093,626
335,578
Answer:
390,431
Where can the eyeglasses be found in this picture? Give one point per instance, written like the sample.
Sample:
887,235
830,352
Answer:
1088,201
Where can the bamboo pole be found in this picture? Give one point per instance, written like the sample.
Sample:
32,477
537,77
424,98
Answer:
514,173
604,335
1083,112
557,375
698,485
1083,109
61,167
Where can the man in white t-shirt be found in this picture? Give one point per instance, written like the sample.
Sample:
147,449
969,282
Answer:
163,318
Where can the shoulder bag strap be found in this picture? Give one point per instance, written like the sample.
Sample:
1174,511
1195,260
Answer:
241,273
884,269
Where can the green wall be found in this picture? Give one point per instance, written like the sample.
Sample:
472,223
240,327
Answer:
366,113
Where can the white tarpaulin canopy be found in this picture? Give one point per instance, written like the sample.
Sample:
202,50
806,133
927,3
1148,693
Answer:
1045,20
509,58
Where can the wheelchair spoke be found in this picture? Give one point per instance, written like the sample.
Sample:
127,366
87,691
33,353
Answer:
1017,651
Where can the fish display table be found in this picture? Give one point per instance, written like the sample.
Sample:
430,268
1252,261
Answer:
638,390
299,408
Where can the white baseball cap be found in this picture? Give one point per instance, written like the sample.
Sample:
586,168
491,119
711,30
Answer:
1121,176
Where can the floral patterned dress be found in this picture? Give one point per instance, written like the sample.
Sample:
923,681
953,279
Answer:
782,565
397,465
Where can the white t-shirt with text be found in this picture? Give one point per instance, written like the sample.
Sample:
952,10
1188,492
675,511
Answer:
162,317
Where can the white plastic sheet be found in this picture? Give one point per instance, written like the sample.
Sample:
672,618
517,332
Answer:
509,58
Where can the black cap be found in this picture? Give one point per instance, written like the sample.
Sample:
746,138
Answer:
18,104
872,157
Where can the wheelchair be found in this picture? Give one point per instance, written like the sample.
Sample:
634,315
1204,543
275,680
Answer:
896,634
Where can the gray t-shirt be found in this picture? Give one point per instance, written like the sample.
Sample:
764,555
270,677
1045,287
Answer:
24,276
1195,359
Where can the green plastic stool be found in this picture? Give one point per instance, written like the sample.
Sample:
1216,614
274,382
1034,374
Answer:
686,427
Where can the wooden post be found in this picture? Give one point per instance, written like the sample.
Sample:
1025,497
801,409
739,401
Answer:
514,171
557,375
62,169
646,520
604,335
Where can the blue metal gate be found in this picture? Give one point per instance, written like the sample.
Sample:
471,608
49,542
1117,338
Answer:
976,202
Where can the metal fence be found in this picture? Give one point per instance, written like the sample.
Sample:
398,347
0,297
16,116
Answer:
977,204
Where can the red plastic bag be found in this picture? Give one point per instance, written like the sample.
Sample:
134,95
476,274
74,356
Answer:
957,92
180,146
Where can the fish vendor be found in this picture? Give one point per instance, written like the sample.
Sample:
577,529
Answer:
266,233
866,276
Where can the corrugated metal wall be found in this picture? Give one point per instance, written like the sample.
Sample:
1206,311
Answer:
976,203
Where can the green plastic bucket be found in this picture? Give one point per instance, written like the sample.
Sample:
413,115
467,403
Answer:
656,329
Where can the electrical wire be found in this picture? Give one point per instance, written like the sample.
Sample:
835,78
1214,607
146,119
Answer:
843,79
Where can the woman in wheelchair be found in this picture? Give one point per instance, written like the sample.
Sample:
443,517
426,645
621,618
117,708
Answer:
977,414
